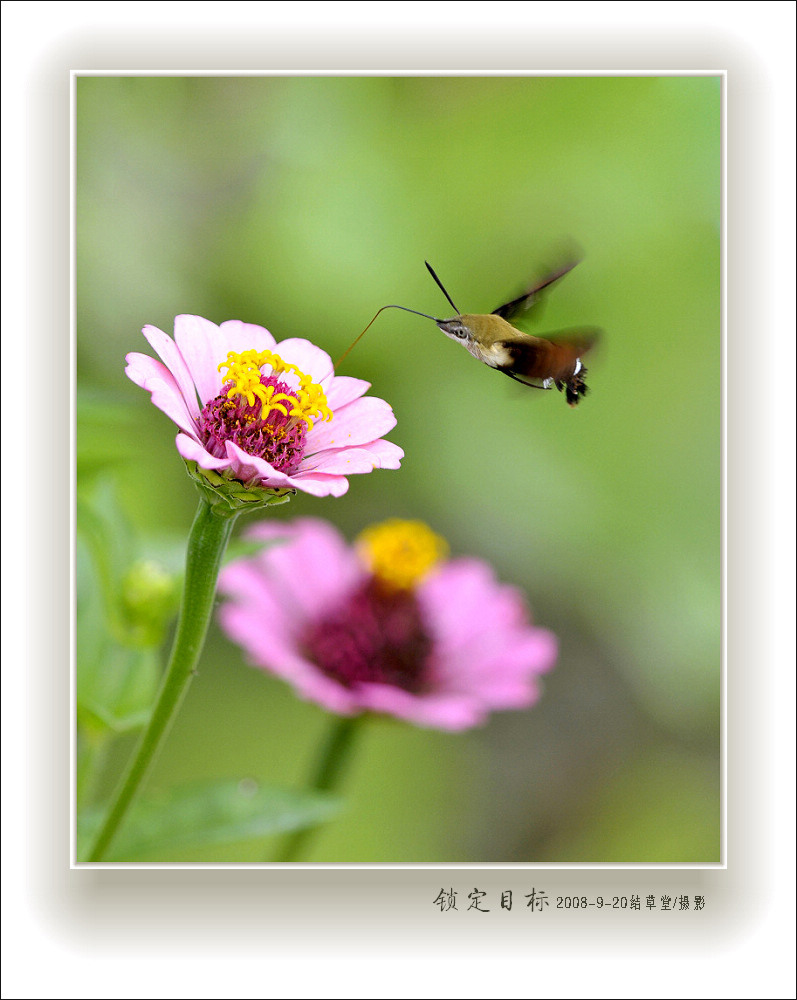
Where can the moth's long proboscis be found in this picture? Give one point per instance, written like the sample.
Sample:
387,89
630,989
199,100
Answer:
357,340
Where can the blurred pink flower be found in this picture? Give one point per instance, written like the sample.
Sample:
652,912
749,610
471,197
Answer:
269,414
388,625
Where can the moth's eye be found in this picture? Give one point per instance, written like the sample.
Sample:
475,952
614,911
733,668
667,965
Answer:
451,328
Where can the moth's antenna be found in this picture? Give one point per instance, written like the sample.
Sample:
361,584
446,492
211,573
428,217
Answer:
440,284
351,346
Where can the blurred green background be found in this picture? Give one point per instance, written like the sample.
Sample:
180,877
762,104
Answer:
304,204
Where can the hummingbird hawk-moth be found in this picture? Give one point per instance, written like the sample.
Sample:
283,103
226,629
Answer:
538,362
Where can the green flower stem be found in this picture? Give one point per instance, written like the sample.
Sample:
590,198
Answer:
210,533
330,766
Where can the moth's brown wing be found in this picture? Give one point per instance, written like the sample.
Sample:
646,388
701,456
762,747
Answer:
581,338
524,304
551,357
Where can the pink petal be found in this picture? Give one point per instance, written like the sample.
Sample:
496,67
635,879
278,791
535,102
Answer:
359,422
452,712
269,652
247,467
311,360
499,674
318,484
314,686
386,454
310,565
204,347
482,603
272,596
534,646
264,628
246,582
242,337
345,389
341,461
159,381
348,461
175,362
498,669
192,451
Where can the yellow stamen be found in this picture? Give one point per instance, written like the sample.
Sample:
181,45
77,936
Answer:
306,402
401,553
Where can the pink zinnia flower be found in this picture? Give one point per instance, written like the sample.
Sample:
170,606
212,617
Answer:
270,415
388,625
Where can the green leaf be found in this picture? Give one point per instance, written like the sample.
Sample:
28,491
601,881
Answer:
116,690
208,814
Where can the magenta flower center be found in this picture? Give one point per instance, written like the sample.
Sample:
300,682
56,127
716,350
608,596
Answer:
278,439
376,637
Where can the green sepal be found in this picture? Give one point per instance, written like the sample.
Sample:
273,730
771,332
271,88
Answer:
228,496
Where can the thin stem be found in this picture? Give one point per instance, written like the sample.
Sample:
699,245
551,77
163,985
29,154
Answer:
206,544
328,771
